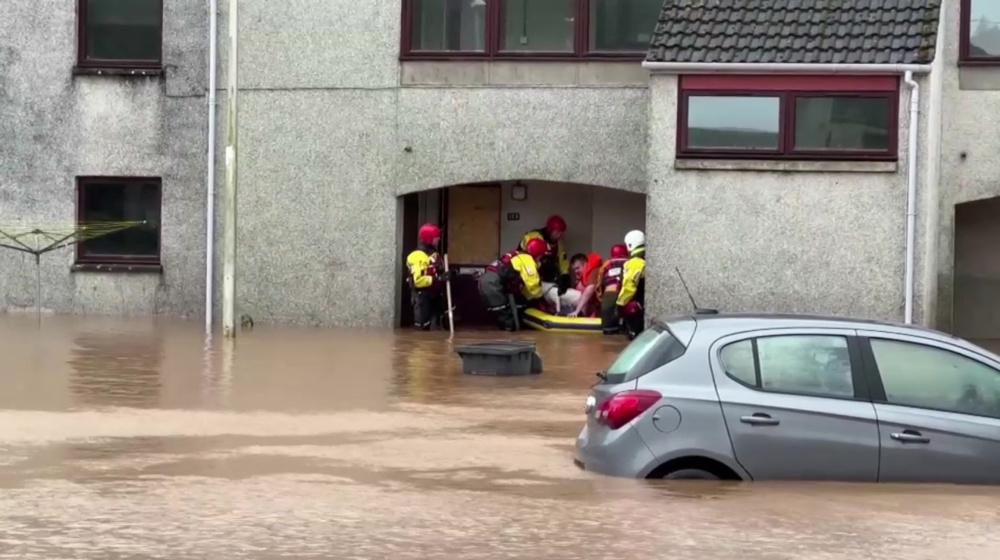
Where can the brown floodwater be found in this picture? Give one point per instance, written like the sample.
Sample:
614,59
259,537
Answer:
133,438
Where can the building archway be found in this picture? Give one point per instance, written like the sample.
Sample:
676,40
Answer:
976,305
481,221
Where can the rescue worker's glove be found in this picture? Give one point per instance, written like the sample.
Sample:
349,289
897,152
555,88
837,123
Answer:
563,283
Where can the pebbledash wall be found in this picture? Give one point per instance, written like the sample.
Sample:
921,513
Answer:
334,128
55,126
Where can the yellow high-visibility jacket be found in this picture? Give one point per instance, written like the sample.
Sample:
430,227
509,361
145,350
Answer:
531,283
422,265
556,250
632,275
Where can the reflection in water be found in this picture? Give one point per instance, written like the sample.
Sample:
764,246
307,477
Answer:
116,369
315,443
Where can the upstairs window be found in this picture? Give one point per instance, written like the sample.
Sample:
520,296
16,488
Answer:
980,32
515,29
120,199
120,34
777,117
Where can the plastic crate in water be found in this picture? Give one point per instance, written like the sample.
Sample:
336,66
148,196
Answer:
499,358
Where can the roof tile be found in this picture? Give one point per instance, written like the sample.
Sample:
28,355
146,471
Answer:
797,31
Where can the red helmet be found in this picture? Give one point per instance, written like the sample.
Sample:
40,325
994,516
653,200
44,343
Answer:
555,223
428,233
619,251
536,248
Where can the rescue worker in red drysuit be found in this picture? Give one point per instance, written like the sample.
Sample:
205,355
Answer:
609,283
554,264
514,273
426,277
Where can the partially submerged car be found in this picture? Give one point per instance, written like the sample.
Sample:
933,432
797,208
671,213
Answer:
791,397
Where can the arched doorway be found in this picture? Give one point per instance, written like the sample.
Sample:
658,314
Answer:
976,310
483,220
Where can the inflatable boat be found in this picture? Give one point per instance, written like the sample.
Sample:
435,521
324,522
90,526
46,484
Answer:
542,321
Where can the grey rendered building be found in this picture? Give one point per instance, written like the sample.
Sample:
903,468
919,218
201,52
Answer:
766,153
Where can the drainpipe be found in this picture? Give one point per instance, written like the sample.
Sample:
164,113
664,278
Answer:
213,22
911,193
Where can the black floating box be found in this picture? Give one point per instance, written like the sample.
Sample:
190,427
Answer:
500,358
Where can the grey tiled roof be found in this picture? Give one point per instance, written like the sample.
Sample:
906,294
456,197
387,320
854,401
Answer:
797,31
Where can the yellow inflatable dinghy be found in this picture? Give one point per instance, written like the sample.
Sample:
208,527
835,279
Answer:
542,321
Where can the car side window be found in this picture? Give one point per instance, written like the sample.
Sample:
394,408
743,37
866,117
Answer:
807,364
927,377
737,361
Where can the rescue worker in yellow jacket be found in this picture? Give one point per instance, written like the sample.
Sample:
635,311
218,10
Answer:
553,266
426,277
514,273
609,283
632,294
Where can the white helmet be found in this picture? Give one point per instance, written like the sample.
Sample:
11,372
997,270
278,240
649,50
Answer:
634,239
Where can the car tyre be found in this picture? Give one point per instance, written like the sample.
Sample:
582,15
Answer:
690,474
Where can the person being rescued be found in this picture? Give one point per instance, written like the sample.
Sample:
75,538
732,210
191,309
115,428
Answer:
632,294
608,286
553,266
579,300
426,279
513,274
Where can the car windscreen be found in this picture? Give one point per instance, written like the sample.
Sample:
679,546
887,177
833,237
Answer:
654,347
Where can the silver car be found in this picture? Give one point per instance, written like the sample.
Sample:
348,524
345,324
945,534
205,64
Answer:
786,397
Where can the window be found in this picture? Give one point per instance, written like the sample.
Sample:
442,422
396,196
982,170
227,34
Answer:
802,364
653,348
775,117
980,31
517,29
926,377
117,199
737,361
116,34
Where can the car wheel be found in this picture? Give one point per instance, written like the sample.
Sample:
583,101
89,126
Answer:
690,474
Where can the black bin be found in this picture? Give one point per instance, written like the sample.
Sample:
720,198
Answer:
500,358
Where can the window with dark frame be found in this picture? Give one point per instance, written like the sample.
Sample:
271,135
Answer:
526,29
120,199
979,40
120,35
787,118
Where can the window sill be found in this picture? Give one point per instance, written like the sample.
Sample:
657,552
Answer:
789,166
126,72
118,268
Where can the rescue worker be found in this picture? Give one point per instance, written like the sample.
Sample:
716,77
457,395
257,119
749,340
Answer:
633,291
553,267
515,273
608,286
426,278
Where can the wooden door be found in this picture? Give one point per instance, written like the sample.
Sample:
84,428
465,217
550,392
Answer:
473,224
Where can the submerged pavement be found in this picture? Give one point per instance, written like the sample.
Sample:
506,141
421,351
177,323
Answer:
130,438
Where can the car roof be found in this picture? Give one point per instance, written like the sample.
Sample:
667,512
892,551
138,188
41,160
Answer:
750,321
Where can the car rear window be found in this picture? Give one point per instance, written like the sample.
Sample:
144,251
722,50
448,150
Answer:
654,347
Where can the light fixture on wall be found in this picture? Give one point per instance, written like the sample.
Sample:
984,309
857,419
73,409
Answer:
519,191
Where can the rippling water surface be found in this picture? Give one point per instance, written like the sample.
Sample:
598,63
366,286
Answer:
133,439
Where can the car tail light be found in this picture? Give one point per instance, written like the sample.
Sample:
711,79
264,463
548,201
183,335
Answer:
624,407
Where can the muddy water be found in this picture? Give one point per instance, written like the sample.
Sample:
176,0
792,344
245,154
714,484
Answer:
131,439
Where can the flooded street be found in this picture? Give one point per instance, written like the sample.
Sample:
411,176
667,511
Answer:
128,438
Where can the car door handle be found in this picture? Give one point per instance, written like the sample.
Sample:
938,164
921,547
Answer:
759,419
910,436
